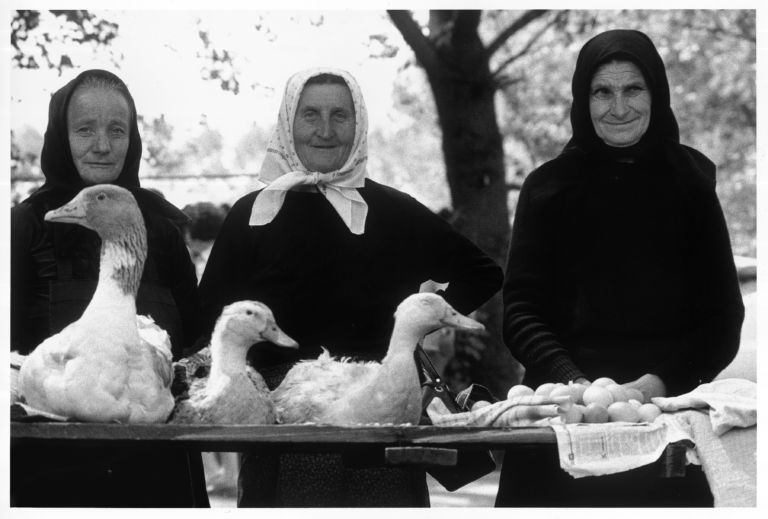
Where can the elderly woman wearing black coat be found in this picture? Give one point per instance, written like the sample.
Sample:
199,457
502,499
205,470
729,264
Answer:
619,266
332,253
93,138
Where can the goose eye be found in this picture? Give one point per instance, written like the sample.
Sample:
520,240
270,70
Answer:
249,312
101,196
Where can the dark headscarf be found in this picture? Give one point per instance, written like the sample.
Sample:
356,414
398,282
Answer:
661,141
62,180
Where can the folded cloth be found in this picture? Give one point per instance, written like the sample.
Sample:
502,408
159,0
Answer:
520,412
729,460
597,449
732,402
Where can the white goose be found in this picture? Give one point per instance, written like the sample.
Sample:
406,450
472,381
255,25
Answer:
99,368
233,393
340,392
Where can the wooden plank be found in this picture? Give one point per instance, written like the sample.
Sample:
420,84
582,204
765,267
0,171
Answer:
224,437
362,445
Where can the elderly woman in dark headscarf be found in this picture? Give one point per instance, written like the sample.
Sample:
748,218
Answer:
619,266
93,138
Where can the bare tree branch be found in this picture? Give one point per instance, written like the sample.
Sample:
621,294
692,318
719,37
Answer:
413,36
528,45
513,28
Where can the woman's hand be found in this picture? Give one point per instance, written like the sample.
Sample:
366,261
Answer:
650,385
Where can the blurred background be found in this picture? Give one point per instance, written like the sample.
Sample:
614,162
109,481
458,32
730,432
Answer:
462,106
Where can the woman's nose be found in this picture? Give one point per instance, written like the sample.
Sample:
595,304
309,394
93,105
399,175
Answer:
102,143
324,129
619,107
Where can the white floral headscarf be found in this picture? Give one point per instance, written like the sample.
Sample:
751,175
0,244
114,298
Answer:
282,170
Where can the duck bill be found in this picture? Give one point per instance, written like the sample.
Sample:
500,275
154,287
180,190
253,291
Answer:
277,336
73,212
462,322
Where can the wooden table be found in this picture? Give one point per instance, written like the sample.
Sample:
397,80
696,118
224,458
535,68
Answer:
393,445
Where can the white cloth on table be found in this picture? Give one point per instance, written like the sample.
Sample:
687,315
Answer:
721,419
521,411
732,402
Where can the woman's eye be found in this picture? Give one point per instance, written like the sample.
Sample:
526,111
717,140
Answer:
340,116
601,93
117,131
84,130
309,115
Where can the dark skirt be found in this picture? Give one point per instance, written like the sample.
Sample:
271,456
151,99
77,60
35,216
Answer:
56,476
324,479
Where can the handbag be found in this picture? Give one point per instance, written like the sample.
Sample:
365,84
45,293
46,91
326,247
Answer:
471,464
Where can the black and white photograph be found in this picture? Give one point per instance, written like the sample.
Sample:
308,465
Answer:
339,257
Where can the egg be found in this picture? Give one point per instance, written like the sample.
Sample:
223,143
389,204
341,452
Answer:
597,395
518,391
623,412
648,412
595,413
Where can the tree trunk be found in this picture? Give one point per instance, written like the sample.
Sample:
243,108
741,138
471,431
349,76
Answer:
459,74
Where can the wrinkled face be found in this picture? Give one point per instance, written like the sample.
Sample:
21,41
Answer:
324,127
619,103
98,123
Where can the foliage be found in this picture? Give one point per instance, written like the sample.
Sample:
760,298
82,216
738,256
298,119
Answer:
157,135
33,34
711,64
710,59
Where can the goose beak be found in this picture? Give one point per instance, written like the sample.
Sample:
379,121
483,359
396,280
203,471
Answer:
277,336
72,212
456,320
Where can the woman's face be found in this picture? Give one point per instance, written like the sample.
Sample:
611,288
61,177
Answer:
98,123
619,103
324,127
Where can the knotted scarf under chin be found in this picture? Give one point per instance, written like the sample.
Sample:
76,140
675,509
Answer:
346,201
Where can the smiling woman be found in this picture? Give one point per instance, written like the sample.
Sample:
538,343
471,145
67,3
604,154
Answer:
333,254
619,103
619,266
324,125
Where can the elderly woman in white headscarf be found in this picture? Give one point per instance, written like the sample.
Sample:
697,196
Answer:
332,253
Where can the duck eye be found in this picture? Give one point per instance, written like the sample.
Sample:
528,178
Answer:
101,196
249,312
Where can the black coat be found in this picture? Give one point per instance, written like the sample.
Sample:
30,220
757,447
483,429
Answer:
54,270
329,287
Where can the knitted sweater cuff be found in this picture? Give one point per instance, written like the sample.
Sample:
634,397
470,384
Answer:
562,369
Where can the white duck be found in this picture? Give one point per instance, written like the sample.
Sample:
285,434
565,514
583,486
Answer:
110,365
233,393
340,392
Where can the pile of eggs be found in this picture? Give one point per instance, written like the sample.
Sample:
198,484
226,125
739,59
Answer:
599,402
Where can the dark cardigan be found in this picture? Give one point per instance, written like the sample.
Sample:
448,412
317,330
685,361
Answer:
616,269
329,287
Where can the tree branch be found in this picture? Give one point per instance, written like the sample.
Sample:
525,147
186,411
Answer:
411,32
527,46
513,28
